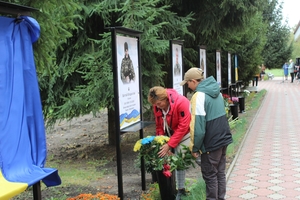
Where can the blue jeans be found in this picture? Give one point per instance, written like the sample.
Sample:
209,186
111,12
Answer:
213,166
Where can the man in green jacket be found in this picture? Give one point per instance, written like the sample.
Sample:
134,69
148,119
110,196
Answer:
210,132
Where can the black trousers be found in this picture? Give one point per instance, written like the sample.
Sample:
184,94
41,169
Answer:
255,79
213,166
292,76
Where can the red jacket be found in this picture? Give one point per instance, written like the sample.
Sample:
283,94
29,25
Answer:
178,117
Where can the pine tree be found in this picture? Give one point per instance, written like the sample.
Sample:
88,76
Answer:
278,49
74,57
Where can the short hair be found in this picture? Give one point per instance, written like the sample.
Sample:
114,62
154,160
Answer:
157,93
125,46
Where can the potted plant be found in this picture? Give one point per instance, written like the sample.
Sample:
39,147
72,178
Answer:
234,107
245,93
148,149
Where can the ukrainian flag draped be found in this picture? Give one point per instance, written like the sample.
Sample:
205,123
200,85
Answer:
23,149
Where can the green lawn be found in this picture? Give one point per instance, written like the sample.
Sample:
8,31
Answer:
276,72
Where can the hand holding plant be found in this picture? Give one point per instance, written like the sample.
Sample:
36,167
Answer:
149,147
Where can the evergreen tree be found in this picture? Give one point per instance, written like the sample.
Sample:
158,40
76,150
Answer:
231,26
278,49
73,54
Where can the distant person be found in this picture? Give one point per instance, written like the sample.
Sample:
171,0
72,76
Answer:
127,71
291,69
285,68
262,72
297,74
256,77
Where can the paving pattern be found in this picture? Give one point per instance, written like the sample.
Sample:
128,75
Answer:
268,163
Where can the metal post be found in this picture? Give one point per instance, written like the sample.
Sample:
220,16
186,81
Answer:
37,191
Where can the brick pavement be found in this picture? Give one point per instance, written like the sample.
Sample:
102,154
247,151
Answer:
268,163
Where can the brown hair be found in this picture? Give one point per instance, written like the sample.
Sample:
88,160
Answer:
157,93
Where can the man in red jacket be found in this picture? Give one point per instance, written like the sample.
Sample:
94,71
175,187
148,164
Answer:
172,118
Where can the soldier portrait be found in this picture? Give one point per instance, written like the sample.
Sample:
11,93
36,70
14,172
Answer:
127,71
202,54
218,67
177,67
202,61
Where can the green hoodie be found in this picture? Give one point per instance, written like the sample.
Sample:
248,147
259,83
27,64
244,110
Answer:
209,125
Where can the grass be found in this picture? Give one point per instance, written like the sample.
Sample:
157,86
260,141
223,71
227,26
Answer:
239,129
276,72
82,172
72,173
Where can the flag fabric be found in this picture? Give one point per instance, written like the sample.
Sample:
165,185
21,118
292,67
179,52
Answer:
23,148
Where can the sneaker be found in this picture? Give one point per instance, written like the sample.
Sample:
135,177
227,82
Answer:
180,192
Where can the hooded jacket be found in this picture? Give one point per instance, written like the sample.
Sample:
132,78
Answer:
209,126
291,67
178,118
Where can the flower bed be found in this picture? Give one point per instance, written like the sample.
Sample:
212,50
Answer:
98,196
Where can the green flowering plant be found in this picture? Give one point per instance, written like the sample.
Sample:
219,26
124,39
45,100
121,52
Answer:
227,102
149,147
246,93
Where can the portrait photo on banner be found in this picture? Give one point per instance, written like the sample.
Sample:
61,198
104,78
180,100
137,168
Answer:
229,68
177,66
218,67
128,80
202,58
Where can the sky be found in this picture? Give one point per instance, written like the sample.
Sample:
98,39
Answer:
291,12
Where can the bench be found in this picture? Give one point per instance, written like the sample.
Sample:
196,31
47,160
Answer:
270,76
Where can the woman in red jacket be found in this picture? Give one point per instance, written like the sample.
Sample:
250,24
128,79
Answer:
172,118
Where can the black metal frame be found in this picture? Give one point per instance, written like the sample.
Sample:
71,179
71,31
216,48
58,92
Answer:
37,194
199,60
15,9
216,74
229,85
139,126
178,42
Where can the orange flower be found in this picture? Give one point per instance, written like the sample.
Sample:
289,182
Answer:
99,196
